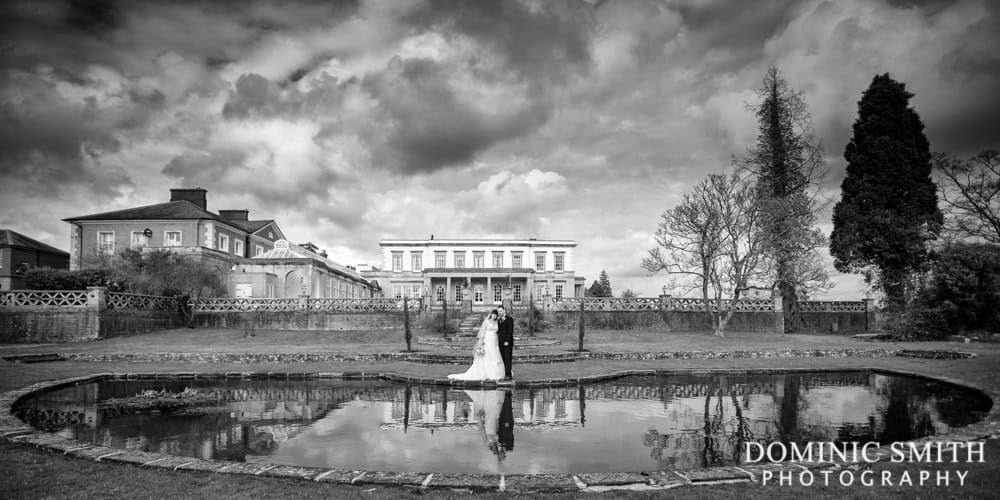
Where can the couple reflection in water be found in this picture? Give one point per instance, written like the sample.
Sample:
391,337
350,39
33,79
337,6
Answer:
493,411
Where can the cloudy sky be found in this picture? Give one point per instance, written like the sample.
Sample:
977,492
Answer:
349,122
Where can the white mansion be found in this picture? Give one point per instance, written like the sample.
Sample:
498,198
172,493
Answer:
485,271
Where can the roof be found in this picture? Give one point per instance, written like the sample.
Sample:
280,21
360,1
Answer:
284,249
250,226
10,238
181,209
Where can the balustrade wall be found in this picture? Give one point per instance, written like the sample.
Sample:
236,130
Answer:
305,313
689,314
63,316
74,315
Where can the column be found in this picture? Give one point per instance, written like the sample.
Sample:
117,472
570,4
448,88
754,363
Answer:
447,288
97,304
871,315
489,290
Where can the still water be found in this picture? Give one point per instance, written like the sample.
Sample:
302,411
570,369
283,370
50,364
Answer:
627,424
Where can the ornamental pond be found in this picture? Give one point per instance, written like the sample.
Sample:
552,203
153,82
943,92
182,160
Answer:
634,423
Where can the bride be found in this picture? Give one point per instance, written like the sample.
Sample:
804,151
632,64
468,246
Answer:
486,362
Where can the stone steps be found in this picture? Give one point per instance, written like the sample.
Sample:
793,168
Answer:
469,327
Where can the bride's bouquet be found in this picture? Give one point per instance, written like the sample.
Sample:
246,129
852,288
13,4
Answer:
480,350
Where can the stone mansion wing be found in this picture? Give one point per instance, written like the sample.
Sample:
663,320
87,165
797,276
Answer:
483,272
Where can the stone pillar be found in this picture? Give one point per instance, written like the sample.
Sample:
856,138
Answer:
97,306
665,303
871,315
303,303
779,313
489,290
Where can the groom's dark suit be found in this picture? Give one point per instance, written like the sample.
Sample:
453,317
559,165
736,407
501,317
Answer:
505,337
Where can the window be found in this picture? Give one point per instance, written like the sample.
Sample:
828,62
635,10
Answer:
559,258
458,293
539,262
258,250
224,242
439,293
171,238
478,295
417,262
439,259
498,259
477,259
497,293
459,259
517,294
397,291
106,242
415,292
397,262
559,289
539,291
516,258
239,247
139,240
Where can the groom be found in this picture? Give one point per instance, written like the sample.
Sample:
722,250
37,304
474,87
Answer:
505,337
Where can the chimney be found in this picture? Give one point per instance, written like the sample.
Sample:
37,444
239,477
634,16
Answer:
243,215
323,254
195,195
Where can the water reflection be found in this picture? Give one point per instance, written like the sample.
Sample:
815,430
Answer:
634,423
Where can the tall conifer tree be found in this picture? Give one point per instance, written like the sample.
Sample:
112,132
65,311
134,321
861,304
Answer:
788,163
605,284
888,210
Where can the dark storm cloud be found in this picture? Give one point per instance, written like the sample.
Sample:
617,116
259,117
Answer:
426,127
43,135
542,39
94,16
202,167
256,97
733,32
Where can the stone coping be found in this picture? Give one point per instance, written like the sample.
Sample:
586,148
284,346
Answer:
14,430
423,357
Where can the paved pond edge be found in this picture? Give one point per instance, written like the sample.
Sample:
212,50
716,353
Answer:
13,429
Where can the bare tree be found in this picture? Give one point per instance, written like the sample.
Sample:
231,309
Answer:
971,193
714,237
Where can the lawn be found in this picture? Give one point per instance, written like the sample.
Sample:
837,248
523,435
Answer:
31,473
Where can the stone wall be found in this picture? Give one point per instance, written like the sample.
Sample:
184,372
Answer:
304,320
678,321
37,316
686,314
45,324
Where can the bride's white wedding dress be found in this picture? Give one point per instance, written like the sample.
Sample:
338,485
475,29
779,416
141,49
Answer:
488,366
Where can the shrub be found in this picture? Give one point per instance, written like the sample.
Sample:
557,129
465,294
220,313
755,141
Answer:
63,279
433,323
534,321
962,293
